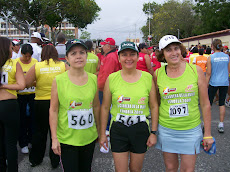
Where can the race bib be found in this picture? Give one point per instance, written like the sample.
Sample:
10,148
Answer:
80,119
178,111
27,90
4,78
129,120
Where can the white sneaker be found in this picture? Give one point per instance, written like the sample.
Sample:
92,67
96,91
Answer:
227,103
25,150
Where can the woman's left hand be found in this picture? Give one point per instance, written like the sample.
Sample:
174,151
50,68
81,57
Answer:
207,144
152,140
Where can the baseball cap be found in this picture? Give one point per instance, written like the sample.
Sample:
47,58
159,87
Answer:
16,42
74,42
36,35
109,41
143,45
166,40
226,46
127,45
150,48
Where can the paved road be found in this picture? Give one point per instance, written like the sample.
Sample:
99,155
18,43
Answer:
220,162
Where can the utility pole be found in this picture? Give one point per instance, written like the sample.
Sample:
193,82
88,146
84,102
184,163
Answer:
135,34
149,37
6,18
178,33
29,26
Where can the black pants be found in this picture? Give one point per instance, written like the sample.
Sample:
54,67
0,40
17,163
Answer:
9,127
77,158
222,93
26,122
39,138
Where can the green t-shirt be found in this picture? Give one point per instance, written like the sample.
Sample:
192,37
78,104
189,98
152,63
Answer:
76,124
179,108
130,99
91,64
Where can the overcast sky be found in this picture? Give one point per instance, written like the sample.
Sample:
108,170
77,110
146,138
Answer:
118,19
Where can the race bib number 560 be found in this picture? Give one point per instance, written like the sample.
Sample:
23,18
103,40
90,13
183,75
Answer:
178,110
80,119
129,120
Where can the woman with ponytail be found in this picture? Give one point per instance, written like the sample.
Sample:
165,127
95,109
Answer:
218,68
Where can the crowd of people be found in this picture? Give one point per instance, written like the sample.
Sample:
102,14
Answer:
128,99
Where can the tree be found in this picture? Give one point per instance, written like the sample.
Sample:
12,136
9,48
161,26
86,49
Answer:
51,12
214,15
85,35
168,18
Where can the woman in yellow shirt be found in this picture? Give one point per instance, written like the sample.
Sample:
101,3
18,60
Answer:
11,79
43,73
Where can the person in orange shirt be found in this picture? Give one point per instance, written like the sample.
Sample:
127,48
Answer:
201,60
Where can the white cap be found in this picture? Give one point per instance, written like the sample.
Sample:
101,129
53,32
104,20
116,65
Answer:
16,42
36,35
166,40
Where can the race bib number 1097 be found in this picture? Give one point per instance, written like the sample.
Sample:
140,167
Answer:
180,110
80,119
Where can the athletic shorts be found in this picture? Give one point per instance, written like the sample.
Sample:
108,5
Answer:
129,139
222,94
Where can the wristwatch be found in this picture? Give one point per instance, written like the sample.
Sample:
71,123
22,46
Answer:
154,132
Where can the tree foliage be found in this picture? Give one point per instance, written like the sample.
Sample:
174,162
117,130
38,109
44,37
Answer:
50,12
213,14
168,18
200,17
85,35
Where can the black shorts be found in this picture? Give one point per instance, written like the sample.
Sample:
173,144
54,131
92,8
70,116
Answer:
222,94
132,139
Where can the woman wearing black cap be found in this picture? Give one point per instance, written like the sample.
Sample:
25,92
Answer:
132,93
74,112
144,62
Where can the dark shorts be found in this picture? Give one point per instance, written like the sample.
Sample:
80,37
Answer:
129,139
222,94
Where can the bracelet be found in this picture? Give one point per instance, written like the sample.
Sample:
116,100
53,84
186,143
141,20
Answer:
210,137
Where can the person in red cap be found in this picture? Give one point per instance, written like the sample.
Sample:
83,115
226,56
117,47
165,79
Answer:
109,64
15,48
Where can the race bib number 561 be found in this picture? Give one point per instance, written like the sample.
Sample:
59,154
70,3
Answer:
129,120
80,119
178,111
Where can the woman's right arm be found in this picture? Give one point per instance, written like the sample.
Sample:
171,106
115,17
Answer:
105,107
53,118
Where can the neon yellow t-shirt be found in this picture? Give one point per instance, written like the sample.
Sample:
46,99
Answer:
91,64
76,124
129,99
179,108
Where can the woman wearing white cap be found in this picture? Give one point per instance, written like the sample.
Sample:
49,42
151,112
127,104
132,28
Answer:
129,128
180,86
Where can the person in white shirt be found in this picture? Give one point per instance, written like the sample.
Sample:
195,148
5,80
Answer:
61,47
15,48
35,42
